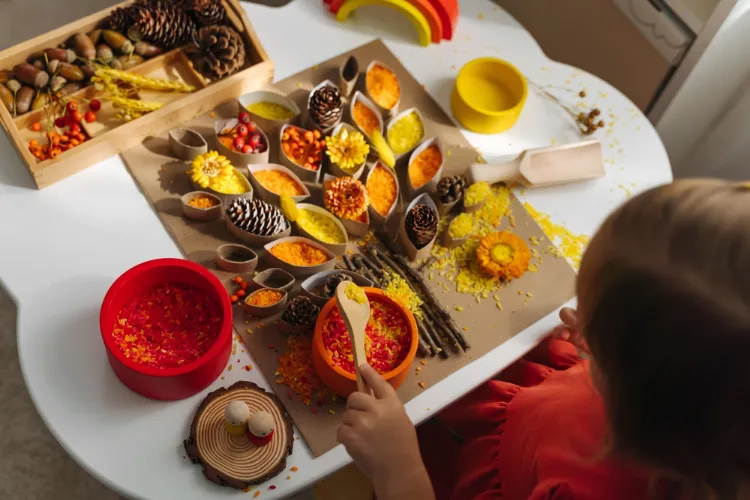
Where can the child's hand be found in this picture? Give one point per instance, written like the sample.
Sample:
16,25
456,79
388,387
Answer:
381,439
569,329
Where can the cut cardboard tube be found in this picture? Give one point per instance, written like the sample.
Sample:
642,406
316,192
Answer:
317,281
304,174
337,249
267,195
224,263
387,112
271,126
400,157
312,123
295,270
201,214
431,184
348,76
359,97
238,158
186,143
413,253
376,217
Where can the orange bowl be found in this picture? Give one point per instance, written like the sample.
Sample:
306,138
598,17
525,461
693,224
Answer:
339,380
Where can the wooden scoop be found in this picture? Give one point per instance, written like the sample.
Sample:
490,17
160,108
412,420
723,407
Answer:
545,166
355,314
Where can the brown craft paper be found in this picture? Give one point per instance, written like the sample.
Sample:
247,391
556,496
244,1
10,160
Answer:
524,301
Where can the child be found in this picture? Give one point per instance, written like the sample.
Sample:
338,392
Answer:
662,411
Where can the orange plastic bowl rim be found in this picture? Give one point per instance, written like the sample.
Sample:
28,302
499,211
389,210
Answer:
339,380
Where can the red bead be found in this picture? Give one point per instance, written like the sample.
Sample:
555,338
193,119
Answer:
242,130
244,117
238,143
254,140
95,105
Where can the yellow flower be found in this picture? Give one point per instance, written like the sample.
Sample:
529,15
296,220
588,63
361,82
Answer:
347,149
210,168
503,255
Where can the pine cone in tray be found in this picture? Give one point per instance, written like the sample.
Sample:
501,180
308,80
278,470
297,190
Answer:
449,189
119,19
301,311
421,225
333,281
257,217
326,107
205,12
161,23
217,51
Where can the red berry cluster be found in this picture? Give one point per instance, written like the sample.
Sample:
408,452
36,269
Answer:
73,116
245,137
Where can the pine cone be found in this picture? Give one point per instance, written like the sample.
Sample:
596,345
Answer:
257,217
119,19
326,107
333,281
301,311
218,51
421,225
449,189
205,12
160,23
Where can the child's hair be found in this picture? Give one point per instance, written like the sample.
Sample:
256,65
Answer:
664,304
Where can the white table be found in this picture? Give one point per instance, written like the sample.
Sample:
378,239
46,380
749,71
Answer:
61,248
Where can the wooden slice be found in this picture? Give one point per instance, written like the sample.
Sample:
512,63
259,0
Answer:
233,460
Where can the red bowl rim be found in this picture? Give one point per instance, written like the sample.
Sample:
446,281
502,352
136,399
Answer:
379,295
225,333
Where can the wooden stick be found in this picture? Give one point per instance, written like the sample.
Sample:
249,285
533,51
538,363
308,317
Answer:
400,262
442,329
362,269
349,263
435,339
377,270
424,348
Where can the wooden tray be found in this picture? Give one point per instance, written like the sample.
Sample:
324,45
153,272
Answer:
110,136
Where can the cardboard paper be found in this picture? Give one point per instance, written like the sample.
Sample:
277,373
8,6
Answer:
524,301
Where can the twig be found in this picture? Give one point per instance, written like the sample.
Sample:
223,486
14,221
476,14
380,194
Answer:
435,336
423,349
426,338
349,264
442,329
377,270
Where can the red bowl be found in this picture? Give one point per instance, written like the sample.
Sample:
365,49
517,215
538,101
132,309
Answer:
167,384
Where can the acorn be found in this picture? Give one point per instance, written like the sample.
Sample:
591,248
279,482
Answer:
57,83
40,101
70,88
145,49
31,75
117,41
88,68
95,35
70,72
5,75
104,53
6,96
23,100
14,85
130,61
83,46
116,64
39,63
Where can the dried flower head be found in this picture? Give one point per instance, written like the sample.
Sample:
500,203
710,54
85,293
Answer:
348,150
503,255
209,166
346,198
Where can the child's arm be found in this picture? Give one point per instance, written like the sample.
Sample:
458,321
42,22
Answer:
381,439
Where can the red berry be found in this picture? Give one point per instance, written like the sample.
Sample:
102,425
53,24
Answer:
244,117
238,143
72,107
251,127
95,105
90,117
77,116
261,148
254,140
74,128
247,148
242,130
61,121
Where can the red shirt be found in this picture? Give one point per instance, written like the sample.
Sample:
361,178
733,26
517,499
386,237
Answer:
538,432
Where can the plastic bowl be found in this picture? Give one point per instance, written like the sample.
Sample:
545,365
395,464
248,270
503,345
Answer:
167,384
489,95
342,382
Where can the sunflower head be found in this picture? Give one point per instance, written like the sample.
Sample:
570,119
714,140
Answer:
503,255
347,149
209,168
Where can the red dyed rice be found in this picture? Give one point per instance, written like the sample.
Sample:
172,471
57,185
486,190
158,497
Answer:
387,339
167,326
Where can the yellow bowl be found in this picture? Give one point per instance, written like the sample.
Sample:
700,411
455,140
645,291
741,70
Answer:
489,95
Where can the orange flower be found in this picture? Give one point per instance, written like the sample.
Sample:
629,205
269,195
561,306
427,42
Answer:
503,255
346,198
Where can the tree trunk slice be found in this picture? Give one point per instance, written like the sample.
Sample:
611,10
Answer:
233,460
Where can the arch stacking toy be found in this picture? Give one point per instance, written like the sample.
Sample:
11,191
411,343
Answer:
434,20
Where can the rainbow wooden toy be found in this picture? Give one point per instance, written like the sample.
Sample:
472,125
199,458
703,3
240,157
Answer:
434,20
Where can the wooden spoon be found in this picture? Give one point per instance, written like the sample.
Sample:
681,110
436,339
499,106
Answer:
546,166
355,314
